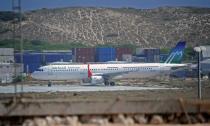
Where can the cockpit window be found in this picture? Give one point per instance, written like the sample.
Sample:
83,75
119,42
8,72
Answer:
39,69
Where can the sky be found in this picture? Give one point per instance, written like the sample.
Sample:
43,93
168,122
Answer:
5,5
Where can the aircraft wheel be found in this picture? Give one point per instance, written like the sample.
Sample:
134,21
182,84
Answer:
112,83
49,84
106,83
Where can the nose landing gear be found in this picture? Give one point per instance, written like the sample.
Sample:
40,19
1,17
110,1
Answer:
107,83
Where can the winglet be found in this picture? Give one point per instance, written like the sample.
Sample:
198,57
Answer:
89,71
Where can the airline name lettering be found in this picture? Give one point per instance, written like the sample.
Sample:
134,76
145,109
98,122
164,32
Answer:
64,67
59,67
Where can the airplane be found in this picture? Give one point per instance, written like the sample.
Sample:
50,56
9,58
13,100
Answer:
107,72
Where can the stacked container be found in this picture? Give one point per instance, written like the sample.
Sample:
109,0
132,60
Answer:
139,59
139,55
56,57
122,51
83,55
127,57
31,61
105,54
140,52
163,57
152,55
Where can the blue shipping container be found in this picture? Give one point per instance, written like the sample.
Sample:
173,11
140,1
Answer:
163,57
32,58
31,67
35,60
29,57
105,54
55,57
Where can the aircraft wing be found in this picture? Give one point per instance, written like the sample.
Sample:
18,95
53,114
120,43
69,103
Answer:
112,75
180,67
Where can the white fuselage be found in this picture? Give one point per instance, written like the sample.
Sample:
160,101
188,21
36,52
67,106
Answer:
118,71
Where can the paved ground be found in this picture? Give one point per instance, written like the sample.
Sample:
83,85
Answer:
77,88
127,90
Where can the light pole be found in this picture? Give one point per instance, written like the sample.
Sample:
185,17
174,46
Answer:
199,51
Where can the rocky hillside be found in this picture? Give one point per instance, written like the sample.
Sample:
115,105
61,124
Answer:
160,27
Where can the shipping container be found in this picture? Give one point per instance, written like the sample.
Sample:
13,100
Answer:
57,51
156,58
139,59
139,51
29,57
153,51
55,57
83,55
105,58
122,51
152,55
127,57
49,56
31,67
33,60
105,54
163,57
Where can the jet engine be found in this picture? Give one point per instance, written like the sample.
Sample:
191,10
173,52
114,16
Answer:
97,79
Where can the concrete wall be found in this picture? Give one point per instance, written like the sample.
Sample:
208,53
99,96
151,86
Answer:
8,71
6,55
206,53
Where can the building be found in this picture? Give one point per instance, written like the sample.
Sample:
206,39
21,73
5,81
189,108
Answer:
206,53
8,71
205,67
6,55
8,68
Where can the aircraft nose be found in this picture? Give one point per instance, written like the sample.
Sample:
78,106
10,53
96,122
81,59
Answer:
34,75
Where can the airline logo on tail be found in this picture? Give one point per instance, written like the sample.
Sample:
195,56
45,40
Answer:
176,53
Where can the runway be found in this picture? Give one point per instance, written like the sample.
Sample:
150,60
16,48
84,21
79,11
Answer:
78,88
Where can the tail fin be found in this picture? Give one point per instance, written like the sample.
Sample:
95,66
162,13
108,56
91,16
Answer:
176,53
89,71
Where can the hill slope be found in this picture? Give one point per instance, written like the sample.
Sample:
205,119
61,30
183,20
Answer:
160,27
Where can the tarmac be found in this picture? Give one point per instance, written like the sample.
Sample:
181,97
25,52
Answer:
78,88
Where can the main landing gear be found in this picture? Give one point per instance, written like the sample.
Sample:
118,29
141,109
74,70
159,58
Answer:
49,83
107,83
